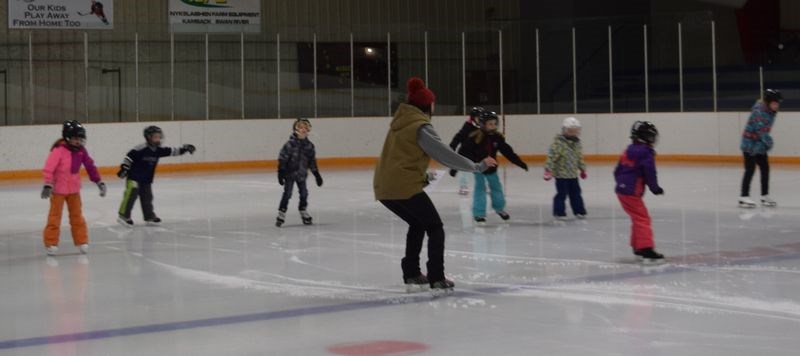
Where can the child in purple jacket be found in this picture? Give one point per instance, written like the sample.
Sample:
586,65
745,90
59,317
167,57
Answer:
635,170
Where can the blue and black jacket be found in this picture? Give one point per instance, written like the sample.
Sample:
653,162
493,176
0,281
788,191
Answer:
143,160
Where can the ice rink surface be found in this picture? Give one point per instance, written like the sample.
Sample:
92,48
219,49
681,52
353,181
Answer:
217,278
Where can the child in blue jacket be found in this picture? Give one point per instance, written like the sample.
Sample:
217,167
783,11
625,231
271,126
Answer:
138,168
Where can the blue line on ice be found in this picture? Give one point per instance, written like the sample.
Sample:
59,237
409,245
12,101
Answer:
338,308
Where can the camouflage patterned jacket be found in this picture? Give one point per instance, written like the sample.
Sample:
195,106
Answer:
565,158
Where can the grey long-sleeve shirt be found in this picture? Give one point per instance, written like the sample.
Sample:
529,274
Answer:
432,144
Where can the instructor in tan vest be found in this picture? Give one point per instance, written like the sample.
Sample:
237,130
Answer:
401,174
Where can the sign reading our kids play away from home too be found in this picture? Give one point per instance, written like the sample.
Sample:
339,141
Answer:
61,14
215,15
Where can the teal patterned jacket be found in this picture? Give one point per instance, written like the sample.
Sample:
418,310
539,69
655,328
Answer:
565,158
756,139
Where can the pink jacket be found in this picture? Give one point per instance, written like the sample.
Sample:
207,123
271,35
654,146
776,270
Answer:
63,167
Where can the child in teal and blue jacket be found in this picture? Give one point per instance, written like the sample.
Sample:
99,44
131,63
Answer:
756,143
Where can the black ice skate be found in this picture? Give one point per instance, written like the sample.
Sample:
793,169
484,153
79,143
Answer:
649,257
504,215
442,288
480,220
281,218
126,222
155,221
417,284
307,219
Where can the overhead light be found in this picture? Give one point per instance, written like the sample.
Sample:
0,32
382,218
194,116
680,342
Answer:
369,51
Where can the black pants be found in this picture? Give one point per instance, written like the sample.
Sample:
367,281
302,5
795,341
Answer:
422,217
288,187
134,190
568,188
750,163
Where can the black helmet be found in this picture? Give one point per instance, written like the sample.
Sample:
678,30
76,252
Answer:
149,131
644,131
476,111
152,130
487,116
73,129
771,95
299,121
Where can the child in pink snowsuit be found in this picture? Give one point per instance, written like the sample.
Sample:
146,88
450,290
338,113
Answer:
62,183
637,168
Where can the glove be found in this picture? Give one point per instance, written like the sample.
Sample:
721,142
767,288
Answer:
548,175
103,189
430,177
187,148
318,177
453,173
47,191
658,191
281,177
489,162
123,170
584,175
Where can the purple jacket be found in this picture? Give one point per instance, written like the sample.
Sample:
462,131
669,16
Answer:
636,167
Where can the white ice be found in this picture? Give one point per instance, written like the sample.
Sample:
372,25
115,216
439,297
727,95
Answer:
217,278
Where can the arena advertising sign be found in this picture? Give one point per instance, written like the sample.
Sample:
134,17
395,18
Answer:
61,14
215,15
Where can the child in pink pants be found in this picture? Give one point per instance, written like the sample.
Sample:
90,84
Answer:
637,168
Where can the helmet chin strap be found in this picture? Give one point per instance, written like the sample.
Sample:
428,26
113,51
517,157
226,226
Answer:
75,147
149,139
484,129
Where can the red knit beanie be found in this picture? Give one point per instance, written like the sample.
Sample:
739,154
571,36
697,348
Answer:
418,94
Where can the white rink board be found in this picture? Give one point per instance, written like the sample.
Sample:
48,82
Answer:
25,147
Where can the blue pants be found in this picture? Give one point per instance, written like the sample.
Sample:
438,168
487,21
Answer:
479,196
568,188
288,187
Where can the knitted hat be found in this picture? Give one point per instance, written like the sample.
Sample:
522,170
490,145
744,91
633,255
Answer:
418,94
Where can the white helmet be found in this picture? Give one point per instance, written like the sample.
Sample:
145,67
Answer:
570,123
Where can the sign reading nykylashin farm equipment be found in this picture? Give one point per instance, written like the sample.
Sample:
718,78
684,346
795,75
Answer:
61,14
215,15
